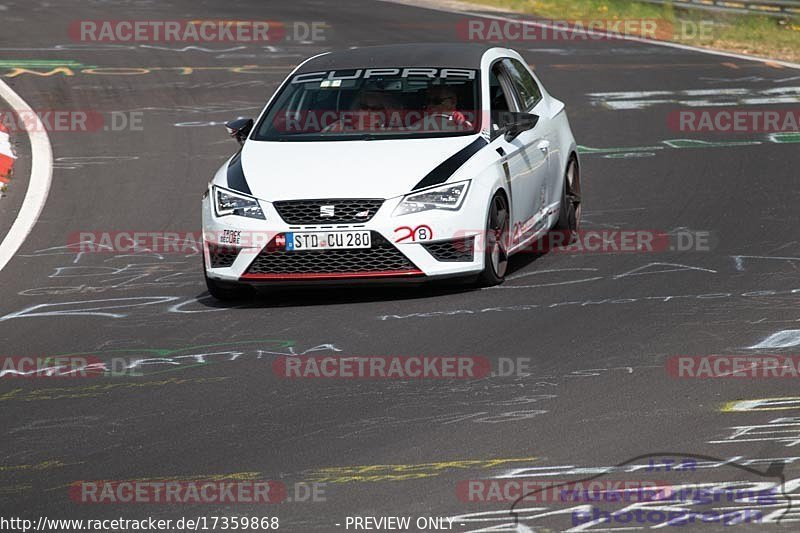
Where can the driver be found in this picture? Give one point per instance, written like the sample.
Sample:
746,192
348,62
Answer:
441,101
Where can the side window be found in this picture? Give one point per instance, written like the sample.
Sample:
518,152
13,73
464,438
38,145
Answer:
501,101
524,84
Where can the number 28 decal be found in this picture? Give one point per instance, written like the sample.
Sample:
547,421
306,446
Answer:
422,232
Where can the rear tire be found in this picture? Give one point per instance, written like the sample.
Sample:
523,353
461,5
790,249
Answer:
569,213
496,243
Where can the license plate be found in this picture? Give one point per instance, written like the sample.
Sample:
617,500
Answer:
332,240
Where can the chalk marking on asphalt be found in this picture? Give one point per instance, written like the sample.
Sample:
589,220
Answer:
14,489
93,391
404,472
762,404
233,476
770,62
604,301
43,465
40,178
782,339
644,270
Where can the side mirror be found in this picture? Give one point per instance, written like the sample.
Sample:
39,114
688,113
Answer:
239,129
515,123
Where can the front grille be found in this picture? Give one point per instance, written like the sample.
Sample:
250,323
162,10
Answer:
383,258
221,255
344,211
459,250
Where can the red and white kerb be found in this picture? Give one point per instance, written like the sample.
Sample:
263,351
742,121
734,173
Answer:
6,155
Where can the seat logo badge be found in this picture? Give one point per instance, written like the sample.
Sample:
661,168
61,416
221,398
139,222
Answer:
327,211
363,214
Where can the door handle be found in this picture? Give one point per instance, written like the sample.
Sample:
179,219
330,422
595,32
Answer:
544,146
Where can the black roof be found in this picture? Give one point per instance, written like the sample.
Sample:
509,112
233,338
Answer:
443,55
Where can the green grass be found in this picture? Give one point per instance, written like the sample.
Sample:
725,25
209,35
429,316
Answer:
750,34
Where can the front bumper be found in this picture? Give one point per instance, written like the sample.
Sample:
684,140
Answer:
428,245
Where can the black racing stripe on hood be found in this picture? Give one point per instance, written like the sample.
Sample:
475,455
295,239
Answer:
236,179
446,168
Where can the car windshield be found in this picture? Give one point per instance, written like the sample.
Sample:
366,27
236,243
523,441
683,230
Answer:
376,103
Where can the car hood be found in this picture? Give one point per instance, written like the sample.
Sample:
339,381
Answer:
343,169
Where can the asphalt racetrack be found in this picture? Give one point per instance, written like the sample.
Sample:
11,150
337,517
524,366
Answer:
579,343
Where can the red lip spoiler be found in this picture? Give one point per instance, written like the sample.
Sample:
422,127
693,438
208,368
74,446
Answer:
336,275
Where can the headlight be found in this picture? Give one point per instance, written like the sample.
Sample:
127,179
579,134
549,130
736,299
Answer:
449,196
228,202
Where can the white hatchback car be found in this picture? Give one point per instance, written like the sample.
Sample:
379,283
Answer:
399,162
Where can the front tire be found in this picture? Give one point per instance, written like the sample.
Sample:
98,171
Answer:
569,213
496,243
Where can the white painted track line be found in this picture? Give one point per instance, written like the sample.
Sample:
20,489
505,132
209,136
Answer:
38,184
